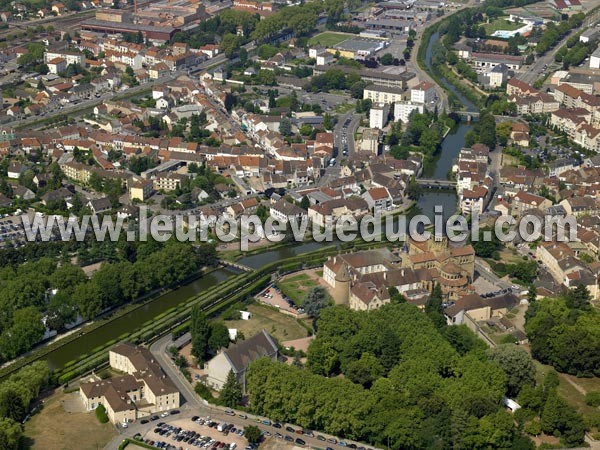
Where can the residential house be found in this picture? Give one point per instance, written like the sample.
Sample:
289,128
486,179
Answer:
378,199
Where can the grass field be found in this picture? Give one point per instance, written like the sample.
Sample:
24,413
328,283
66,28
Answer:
501,24
574,390
296,287
281,326
328,39
53,428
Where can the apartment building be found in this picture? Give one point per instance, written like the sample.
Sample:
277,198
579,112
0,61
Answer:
69,57
383,94
143,391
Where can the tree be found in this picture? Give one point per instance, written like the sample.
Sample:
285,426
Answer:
12,401
267,77
395,295
219,337
253,434
365,370
531,294
356,90
285,127
387,59
230,101
88,298
305,202
434,307
200,331
561,419
10,434
316,299
578,298
231,394
516,364
101,414
230,44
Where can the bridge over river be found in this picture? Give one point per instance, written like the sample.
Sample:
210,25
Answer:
432,183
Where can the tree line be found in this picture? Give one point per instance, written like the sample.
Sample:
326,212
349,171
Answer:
45,294
16,395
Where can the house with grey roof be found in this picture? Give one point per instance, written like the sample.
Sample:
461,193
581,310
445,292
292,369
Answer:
237,358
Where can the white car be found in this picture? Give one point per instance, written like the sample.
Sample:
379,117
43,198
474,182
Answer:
165,414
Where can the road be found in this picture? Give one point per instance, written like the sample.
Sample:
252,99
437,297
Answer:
542,63
193,405
483,269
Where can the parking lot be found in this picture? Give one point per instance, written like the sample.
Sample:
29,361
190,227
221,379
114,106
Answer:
11,230
273,297
196,433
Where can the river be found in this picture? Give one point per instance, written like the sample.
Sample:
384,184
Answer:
425,205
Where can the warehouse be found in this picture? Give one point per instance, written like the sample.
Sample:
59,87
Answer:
359,48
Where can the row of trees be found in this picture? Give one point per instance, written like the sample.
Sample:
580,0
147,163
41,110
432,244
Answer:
16,396
26,292
554,33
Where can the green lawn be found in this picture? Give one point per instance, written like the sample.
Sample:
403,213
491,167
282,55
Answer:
296,287
501,24
328,39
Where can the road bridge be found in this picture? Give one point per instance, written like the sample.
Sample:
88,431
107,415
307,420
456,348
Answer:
430,183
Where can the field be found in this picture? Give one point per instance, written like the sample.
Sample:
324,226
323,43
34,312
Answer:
53,428
501,24
573,389
328,39
296,287
281,326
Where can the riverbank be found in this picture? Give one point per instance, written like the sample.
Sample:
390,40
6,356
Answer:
103,319
457,93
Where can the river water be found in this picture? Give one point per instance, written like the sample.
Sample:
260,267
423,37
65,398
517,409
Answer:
129,322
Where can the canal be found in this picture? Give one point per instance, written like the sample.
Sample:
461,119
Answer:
112,330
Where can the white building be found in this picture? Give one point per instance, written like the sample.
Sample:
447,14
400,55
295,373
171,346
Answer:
595,59
285,211
70,57
422,93
324,58
402,110
378,115
382,94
